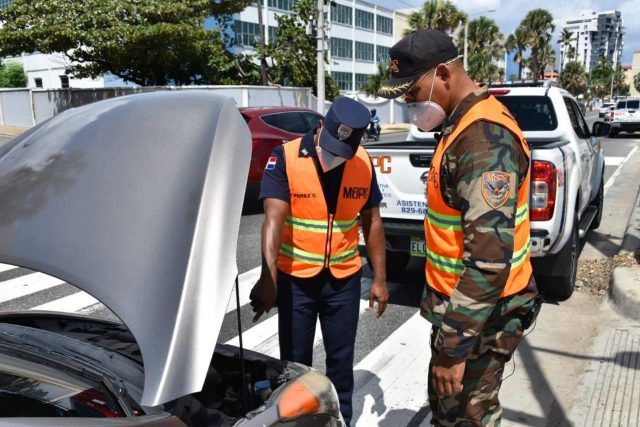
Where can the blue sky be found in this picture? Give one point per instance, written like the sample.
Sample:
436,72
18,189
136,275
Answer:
509,13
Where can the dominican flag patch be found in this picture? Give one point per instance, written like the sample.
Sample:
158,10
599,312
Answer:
271,163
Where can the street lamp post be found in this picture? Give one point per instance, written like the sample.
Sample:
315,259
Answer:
320,56
466,31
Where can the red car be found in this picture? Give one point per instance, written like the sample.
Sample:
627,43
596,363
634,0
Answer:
270,127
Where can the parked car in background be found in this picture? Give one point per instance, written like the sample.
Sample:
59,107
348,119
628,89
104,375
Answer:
143,216
606,107
566,181
625,117
270,127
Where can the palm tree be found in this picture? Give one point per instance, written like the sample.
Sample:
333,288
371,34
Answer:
573,78
517,42
539,26
440,15
375,81
482,67
485,37
565,40
548,58
636,82
571,53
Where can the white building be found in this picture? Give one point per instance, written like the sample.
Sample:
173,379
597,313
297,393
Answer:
359,36
49,72
595,35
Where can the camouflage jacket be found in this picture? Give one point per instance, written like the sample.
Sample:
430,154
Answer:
465,320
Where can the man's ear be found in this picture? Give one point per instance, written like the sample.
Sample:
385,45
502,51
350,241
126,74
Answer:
444,72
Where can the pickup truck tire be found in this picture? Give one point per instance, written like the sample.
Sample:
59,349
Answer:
598,203
561,286
396,262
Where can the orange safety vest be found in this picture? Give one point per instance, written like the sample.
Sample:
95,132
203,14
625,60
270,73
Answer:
443,224
313,238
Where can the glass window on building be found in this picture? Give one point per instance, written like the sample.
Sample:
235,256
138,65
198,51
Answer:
64,81
382,53
281,4
384,25
5,3
246,32
341,14
272,33
342,79
364,51
341,48
361,79
364,19
38,81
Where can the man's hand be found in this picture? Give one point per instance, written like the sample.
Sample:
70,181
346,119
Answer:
263,295
447,375
379,293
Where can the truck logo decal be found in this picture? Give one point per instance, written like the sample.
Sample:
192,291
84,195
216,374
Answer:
383,163
496,188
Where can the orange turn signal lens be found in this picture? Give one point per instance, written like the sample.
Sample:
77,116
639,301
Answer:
297,400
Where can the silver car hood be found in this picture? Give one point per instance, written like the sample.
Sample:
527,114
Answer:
137,201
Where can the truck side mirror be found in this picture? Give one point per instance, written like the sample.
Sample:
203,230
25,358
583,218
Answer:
600,129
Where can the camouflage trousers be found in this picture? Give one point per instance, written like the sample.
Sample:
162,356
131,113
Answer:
478,403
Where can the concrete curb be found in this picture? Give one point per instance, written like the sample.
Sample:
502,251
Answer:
624,288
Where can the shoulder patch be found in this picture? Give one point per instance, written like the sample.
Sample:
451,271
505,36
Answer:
496,188
271,163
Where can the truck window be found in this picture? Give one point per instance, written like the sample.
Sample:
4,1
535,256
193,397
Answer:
575,124
533,113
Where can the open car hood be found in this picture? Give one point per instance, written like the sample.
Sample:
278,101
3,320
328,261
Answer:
137,201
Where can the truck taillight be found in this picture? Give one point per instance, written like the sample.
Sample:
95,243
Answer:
543,190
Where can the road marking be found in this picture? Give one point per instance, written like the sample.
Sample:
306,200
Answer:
68,304
245,282
6,267
613,161
392,378
26,285
618,171
263,337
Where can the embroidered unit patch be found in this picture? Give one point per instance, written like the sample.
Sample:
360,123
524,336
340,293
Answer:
496,188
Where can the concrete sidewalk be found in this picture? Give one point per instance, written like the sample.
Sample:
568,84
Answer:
12,131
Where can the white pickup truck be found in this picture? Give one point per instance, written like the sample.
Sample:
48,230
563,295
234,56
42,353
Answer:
567,187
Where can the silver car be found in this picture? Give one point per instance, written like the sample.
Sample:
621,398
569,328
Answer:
136,201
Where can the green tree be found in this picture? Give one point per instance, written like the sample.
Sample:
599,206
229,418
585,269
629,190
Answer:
564,41
148,42
485,45
440,15
636,82
375,81
539,27
482,68
517,42
573,78
12,75
293,51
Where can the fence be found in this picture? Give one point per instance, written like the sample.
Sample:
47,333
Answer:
28,107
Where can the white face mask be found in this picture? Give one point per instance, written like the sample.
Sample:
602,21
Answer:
426,115
327,160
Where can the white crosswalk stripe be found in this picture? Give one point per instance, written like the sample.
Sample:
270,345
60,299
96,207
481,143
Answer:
390,381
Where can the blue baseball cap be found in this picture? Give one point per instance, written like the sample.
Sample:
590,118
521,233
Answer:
344,126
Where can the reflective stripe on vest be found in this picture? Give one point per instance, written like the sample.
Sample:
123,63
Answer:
313,239
443,224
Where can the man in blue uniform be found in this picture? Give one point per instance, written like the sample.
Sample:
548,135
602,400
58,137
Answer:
313,190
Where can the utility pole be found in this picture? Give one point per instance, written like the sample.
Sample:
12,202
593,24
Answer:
263,60
320,55
613,63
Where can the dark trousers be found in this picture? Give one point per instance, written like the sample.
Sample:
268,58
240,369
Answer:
336,302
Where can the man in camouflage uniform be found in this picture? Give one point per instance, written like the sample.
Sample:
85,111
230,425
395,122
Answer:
475,330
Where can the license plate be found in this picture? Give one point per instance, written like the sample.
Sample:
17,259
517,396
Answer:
418,247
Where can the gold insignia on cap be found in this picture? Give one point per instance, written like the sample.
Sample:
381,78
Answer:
344,132
390,89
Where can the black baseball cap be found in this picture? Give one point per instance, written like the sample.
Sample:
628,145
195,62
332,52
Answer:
344,126
418,52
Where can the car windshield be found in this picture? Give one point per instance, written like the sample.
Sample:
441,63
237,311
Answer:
533,113
634,103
